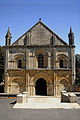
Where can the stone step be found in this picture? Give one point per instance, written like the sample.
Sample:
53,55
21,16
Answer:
43,99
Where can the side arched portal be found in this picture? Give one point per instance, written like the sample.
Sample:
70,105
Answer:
16,86
61,86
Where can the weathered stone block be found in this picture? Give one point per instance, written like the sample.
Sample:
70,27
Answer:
64,96
72,98
21,98
27,94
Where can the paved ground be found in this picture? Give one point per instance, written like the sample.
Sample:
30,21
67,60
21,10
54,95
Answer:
8,113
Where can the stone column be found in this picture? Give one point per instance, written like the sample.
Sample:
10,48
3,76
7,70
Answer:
31,60
27,81
73,63
28,89
50,90
32,89
49,61
34,61
6,59
6,83
54,58
27,59
73,66
54,84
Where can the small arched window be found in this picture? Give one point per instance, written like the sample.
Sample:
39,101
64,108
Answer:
25,40
51,40
19,64
40,61
61,63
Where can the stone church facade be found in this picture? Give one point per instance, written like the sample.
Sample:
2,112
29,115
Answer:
39,62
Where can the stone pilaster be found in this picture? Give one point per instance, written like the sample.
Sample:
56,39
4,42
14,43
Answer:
50,90
54,58
31,60
6,59
27,59
5,72
26,81
6,83
73,64
49,61
54,84
32,89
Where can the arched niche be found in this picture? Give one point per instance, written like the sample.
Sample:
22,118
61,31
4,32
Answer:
44,53
17,58
16,86
62,85
62,61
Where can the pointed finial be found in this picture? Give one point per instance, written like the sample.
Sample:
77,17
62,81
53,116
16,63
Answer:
71,37
70,29
8,32
8,29
8,38
40,19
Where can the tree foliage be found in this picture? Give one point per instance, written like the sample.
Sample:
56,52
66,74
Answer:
1,64
78,69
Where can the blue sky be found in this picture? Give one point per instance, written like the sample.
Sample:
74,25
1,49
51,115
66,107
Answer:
58,15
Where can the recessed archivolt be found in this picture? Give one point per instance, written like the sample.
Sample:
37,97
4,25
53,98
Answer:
41,51
40,72
63,80
40,75
17,80
18,56
63,56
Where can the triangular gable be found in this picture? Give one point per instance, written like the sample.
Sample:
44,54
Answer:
40,22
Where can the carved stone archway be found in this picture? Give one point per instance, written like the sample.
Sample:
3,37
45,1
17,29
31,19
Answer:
61,85
45,55
37,76
16,86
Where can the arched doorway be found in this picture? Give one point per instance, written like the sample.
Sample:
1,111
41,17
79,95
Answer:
41,87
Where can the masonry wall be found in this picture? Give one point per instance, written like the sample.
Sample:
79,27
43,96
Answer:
26,81
39,35
27,48
29,56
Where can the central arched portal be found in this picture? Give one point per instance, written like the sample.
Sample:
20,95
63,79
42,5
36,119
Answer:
41,87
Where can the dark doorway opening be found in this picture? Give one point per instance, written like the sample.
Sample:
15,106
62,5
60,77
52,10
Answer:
41,87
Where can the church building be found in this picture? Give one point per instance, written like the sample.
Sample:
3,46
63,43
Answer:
39,62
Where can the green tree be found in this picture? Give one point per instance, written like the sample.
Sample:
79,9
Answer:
1,64
78,69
